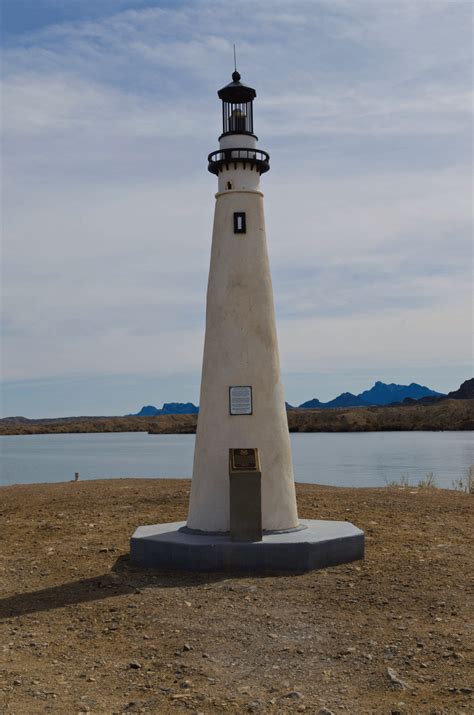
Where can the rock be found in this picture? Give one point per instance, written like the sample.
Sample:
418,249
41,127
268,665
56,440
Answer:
402,684
134,665
325,711
186,646
181,696
185,684
294,695
90,702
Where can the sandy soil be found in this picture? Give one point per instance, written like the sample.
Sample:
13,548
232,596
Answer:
82,631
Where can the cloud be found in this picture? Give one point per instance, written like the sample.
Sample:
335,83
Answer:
365,110
403,338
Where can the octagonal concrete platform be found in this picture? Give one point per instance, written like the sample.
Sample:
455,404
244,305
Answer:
315,545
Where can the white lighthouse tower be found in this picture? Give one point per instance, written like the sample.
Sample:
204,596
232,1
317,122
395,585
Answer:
242,509
242,402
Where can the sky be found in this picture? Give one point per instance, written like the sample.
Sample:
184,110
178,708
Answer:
109,112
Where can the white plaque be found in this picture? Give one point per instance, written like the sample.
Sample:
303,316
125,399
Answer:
240,398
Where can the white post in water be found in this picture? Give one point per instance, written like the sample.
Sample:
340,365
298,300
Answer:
242,402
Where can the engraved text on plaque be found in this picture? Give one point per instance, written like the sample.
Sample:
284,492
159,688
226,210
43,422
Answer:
240,400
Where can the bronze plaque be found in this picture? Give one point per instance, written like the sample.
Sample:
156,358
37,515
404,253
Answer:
244,460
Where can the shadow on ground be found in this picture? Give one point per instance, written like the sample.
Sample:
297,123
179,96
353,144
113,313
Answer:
122,579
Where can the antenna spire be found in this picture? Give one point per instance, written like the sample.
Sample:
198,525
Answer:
235,74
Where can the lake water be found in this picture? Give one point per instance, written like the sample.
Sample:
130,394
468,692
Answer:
370,459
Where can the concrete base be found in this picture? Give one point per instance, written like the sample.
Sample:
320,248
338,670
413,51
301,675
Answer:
317,545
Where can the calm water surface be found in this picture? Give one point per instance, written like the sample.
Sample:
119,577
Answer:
344,459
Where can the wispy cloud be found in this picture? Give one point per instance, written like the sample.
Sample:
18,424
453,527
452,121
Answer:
364,107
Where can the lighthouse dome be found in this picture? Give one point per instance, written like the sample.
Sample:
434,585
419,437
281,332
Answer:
235,92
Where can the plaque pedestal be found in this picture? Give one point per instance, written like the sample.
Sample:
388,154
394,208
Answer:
245,481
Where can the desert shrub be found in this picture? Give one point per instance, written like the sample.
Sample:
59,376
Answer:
429,481
402,483
465,484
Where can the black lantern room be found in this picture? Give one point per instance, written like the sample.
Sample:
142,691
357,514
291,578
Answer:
237,107
237,118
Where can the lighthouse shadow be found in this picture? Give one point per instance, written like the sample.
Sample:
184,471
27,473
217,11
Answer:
123,579
172,578
166,578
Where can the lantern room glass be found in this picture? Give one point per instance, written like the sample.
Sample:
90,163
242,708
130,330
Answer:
237,118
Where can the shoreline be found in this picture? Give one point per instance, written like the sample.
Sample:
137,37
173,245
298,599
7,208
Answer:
374,431
183,480
447,415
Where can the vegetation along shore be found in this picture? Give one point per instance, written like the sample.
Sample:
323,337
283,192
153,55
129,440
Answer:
443,415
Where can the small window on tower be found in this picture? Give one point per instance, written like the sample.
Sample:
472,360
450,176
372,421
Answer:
239,222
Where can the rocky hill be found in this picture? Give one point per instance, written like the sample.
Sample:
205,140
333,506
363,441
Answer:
169,408
380,393
465,392
446,414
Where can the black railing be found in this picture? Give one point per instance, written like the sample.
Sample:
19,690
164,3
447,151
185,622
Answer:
226,157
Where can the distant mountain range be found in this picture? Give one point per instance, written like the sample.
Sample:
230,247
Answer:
454,411
379,394
464,392
169,408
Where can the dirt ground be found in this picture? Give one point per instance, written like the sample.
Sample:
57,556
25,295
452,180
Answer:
83,631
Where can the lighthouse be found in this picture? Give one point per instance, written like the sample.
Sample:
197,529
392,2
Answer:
242,509
242,402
